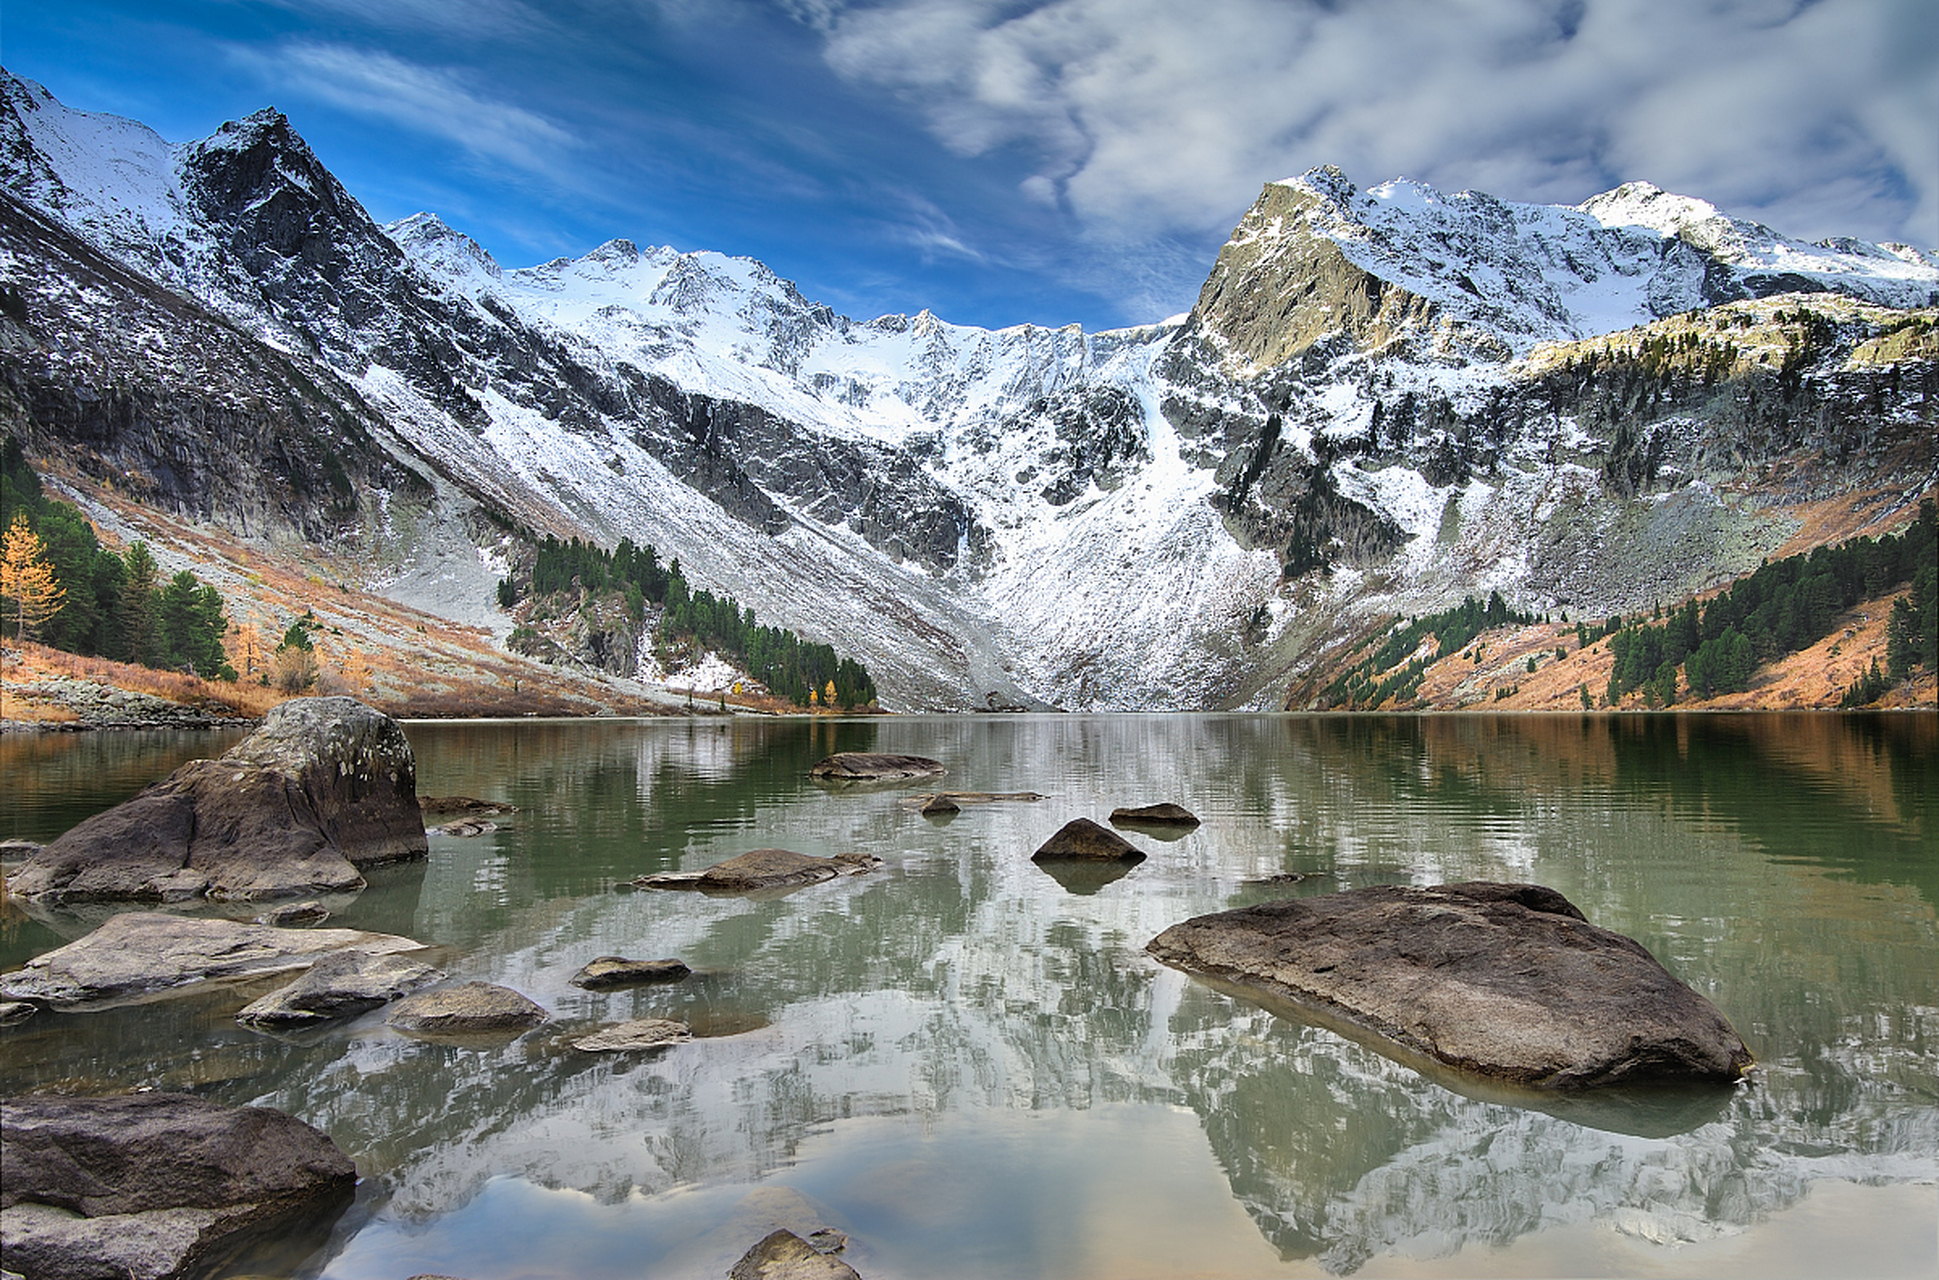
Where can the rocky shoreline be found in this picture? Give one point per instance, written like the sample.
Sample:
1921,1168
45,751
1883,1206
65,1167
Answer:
104,706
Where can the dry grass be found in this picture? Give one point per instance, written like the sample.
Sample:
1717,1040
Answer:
29,662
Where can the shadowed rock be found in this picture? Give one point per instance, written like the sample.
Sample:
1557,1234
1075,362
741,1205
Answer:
784,1255
1082,838
141,952
462,807
866,766
295,915
1155,815
324,787
939,807
639,1034
1504,980
338,986
468,1009
617,971
157,1185
762,869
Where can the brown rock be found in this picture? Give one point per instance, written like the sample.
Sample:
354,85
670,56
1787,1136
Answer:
338,986
1504,980
468,1009
783,1255
162,1183
1157,815
858,766
324,787
1082,838
617,971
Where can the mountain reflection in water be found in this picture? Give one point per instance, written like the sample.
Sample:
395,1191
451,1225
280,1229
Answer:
955,1056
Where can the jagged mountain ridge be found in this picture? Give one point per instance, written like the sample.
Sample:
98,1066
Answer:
1135,519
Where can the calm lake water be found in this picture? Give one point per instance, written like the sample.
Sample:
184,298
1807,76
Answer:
973,1069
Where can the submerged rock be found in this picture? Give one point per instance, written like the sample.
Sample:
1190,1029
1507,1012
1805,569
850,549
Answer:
762,869
617,971
338,986
858,766
783,1255
641,1033
462,807
1156,815
939,806
156,1185
467,827
324,787
295,914
12,1011
468,1009
1082,838
1504,980
140,952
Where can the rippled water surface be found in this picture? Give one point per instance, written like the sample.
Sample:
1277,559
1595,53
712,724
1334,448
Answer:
973,1069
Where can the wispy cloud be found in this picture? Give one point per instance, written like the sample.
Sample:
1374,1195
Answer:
1147,117
427,100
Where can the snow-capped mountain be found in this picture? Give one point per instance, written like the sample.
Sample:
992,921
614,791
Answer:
1359,415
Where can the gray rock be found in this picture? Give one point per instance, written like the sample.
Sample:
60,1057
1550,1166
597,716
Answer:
1157,815
338,986
858,766
295,914
617,971
141,952
763,869
463,807
783,1255
1082,838
1504,980
12,1011
156,1185
641,1033
470,1008
324,787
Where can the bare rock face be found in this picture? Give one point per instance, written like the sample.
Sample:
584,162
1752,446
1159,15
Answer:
468,1009
324,787
1504,980
763,869
156,1185
140,952
864,766
340,985
1082,838
783,1255
608,972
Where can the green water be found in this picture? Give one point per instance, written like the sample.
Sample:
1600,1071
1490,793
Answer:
973,1069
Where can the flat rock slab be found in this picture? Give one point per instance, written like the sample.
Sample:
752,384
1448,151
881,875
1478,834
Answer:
153,1185
340,985
763,869
1504,980
463,807
323,788
641,1033
783,1255
139,953
295,915
468,1009
608,972
868,766
1156,815
1082,838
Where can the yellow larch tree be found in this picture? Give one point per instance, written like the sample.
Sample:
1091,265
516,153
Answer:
27,581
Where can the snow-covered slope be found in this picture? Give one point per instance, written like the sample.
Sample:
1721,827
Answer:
1119,519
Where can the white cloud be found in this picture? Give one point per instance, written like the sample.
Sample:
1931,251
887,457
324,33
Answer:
424,99
1150,117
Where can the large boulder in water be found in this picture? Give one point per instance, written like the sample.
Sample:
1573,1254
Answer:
1505,980
1080,838
157,1185
324,787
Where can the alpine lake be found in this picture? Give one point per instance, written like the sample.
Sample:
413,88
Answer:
970,1066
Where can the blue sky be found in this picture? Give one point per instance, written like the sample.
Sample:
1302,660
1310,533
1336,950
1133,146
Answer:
1000,161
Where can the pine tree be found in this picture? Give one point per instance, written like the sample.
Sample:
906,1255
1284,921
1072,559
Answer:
27,581
139,606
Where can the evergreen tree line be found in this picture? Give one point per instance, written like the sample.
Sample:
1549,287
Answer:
1785,606
1372,681
110,606
789,666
